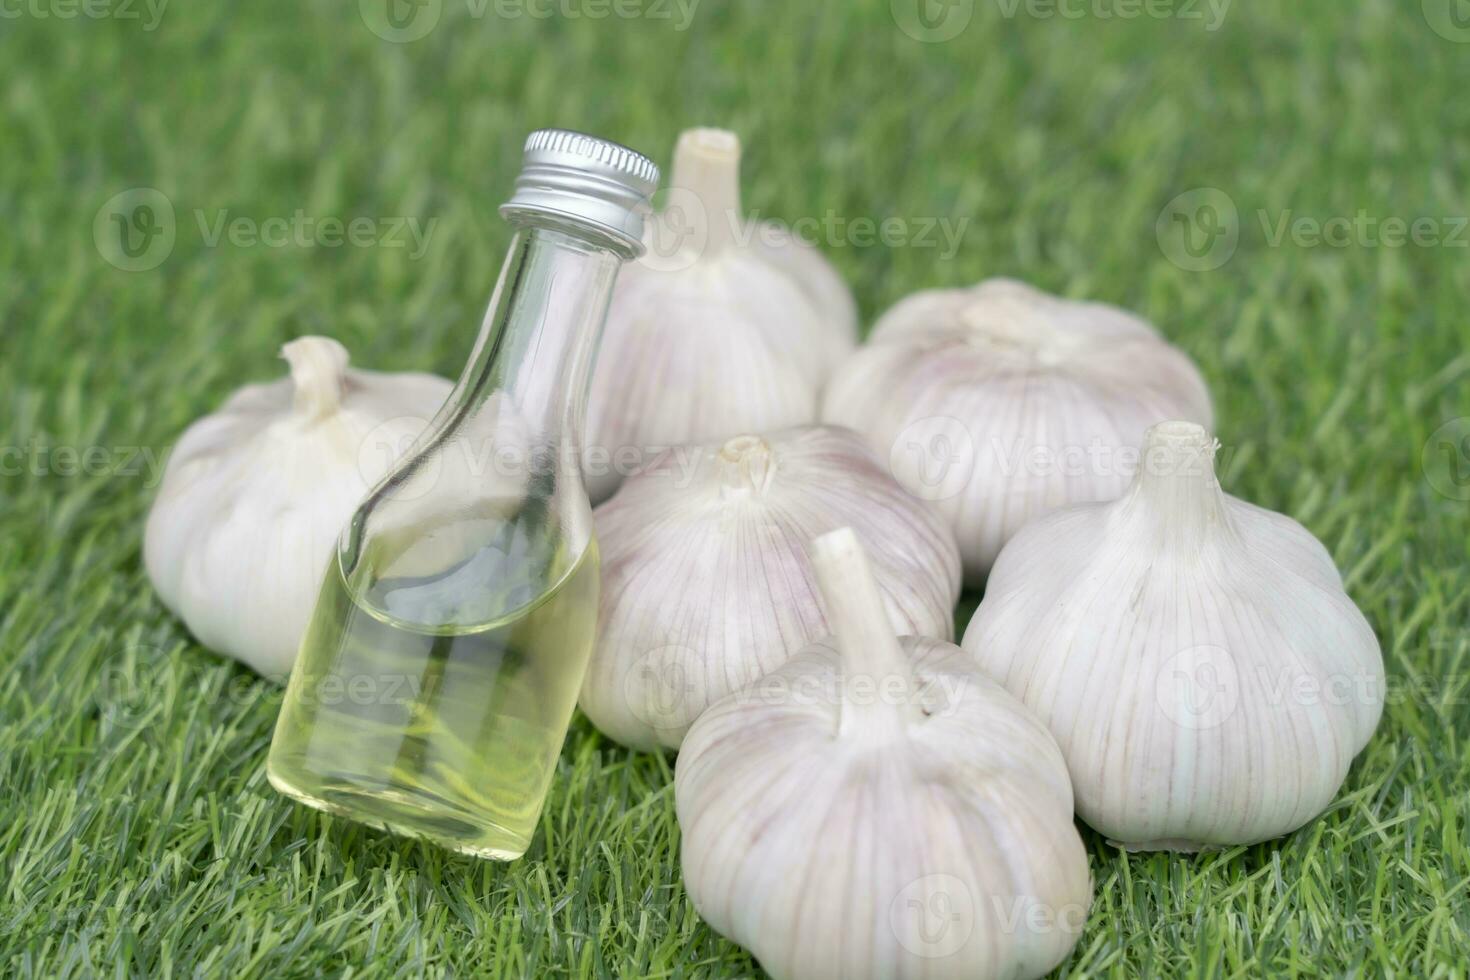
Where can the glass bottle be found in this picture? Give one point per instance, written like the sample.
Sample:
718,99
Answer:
437,678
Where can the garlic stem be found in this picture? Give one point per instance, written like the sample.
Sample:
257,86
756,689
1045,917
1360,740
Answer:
1020,323
1176,484
318,374
707,164
873,662
747,466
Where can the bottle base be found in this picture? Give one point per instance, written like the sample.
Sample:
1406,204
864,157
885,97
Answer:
405,813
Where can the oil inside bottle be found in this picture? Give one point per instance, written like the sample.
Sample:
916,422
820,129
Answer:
444,731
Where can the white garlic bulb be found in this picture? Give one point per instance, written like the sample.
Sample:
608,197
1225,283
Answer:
1000,403
706,582
255,495
1196,657
724,326
878,808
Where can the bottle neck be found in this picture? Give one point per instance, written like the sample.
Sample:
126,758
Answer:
540,334
487,512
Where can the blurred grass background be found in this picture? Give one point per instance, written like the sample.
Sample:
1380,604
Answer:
136,828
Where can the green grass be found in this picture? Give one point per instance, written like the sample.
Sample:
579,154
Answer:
137,832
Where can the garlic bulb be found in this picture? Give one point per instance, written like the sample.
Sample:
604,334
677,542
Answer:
1196,657
706,582
255,495
878,808
1000,403
725,326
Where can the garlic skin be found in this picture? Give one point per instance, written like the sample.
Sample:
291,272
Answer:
878,808
724,326
1000,403
1196,657
706,580
254,497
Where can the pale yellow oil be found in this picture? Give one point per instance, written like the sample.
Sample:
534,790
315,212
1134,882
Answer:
450,734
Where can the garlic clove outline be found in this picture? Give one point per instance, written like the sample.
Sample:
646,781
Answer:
877,808
1238,679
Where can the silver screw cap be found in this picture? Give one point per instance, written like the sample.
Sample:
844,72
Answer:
587,180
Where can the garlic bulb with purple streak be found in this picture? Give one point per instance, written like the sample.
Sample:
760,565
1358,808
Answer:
877,808
1000,403
724,326
706,581
1196,656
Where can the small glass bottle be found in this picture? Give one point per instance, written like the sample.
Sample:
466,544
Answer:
437,678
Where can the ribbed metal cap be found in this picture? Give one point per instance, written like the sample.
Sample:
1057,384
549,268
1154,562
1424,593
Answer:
592,181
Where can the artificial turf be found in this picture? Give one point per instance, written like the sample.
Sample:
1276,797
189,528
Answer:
138,834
